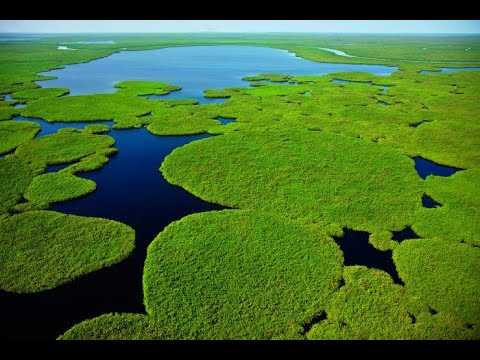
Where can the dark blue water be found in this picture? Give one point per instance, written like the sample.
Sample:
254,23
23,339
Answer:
52,127
195,68
130,189
55,168
404,234
426,167
358,251
420,123
429,203
225,121
382,103
447,70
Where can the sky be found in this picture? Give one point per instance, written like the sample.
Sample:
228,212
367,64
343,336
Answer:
332,26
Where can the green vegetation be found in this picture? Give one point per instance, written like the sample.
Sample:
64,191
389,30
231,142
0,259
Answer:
116,327
14,133
365,188
268,77
260,258
91,162
56,187
15,176
43,249
7,111
35,94
225,275
88,107
145,88
370,306
459,217
443,274
61,148
314,164
96,129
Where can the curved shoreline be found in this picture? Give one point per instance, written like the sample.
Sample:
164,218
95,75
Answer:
342,53
389,62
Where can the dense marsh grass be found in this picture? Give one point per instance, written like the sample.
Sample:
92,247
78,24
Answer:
303,175
443,274
14,133
43,249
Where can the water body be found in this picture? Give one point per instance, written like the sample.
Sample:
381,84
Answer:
448,70
194,68
337,52
358,251
405,234
420,123
225,121
181,95
382,103
341,81
341,53
426,167
52,127
16,37
429,203
130,189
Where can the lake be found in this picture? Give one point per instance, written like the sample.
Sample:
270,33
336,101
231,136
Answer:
194,68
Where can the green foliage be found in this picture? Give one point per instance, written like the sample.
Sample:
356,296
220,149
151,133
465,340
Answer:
371,307
56,187
459,217
14,133
96,129
268,77
209,276
15,176
449,143
62,148
226,275
87,107
7,111
145,88
91,162
41,250
304,175
35,94
443,274
116,327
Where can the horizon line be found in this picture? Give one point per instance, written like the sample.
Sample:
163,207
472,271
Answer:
243,32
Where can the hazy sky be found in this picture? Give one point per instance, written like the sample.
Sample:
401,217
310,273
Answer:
338,26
